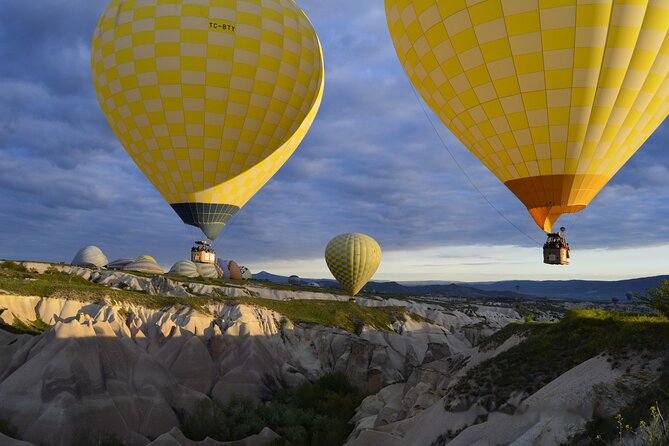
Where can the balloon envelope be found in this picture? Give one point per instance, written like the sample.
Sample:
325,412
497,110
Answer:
552,97
207,270
353,258
144,264
90,257
185,268
209,98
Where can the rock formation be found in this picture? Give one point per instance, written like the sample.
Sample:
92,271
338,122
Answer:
132,371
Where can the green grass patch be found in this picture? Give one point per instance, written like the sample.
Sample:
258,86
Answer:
345,315
638,412
501,336
69,286
348,316
34,328
311,414
13,266
8,428
290,287
553,348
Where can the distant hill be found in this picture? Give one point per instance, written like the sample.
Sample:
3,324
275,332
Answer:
575,289
264,275
554,289
450,290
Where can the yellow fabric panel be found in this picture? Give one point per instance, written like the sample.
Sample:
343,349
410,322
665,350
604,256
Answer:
353,258
581,84
209,98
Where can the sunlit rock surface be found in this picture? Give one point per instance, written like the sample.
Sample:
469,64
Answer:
130,370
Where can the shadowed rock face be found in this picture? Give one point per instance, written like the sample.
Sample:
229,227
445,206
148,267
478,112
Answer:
134,372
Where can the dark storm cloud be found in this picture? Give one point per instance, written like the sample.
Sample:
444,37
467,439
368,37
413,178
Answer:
371,162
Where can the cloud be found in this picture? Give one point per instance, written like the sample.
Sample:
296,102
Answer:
371,162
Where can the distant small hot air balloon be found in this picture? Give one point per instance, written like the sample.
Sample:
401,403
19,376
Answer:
552,97
209,98
353,258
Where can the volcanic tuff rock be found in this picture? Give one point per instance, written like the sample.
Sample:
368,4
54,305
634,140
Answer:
420,412
131,370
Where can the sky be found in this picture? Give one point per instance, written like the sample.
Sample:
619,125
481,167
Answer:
373,162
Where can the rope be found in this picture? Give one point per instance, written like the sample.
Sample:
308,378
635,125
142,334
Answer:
471,182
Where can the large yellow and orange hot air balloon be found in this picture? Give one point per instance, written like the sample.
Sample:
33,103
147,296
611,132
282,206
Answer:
209,97
553,96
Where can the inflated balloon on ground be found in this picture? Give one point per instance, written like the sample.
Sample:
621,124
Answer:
144,264
119,264
184,268
207,270
90,257
230,269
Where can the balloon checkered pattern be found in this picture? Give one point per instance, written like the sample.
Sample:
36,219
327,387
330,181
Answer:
552,96
209,97
353,258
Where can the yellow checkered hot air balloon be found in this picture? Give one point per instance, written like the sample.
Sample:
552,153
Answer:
209,97
353,258
553,96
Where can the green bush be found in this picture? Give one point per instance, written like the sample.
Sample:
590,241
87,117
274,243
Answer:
657,299
311,414
11,265
8,428
550,349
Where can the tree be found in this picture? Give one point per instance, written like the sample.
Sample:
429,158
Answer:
658,298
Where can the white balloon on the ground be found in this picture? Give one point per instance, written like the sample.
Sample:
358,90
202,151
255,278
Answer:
90,257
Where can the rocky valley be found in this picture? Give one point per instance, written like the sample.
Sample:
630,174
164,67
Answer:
84,352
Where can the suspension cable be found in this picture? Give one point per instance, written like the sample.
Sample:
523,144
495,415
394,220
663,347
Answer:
471,182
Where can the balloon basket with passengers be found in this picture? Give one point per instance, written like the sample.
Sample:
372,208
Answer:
556,248
202,252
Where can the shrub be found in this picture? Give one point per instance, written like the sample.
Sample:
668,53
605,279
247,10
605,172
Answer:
657,299
550,349
312,413
9,264
8,428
